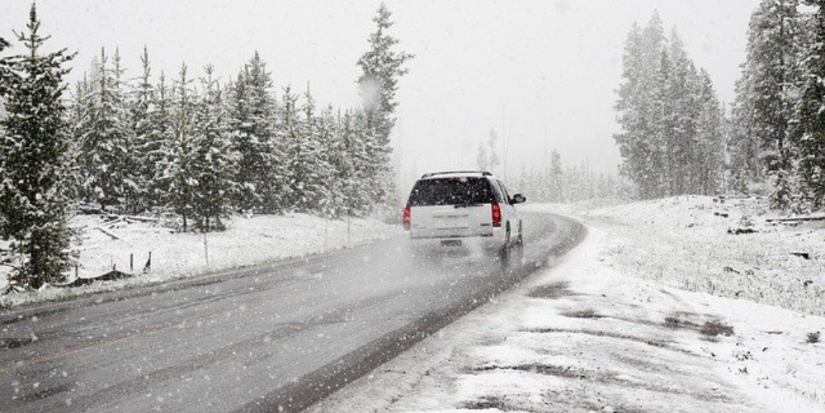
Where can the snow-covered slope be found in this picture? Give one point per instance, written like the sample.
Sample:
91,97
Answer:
247,241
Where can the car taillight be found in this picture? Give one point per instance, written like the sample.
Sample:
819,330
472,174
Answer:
496,215
407,219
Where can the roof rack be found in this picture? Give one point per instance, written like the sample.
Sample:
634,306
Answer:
431,174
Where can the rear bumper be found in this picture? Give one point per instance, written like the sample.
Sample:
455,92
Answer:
487,241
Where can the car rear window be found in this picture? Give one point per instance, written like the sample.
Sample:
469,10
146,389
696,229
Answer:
451,191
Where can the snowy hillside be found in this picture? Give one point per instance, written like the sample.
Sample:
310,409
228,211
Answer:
104,245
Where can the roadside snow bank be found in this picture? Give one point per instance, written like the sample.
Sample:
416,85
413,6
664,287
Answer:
247,241
723,247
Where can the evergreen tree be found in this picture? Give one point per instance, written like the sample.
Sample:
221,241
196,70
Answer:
106,141
710,148
145,141
381,68
745,167
212,160
159,141
770,70
181,168
663,102
33,153
260,169
809,129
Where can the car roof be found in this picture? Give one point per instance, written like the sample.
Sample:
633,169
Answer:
443,174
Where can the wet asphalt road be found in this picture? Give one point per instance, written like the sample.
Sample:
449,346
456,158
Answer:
270,338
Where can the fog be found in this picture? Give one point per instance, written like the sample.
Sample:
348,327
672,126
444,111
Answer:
542,73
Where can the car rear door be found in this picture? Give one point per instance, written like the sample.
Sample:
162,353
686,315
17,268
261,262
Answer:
451,207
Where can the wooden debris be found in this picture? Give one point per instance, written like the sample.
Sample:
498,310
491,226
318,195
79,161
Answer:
107,232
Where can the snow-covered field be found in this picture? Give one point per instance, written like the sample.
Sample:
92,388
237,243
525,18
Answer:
608,329
247,241
684,242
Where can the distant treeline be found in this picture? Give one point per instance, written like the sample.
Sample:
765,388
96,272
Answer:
675,139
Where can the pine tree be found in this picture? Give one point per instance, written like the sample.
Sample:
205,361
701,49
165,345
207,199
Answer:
145,141
181,168
260,167
33,153
745,167
809,129
770,70
381,68
106,141
710,147
159,141
212,160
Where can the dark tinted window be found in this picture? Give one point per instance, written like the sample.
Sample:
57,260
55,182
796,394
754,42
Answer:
451,191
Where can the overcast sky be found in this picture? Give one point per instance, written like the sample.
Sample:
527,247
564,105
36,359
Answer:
545,72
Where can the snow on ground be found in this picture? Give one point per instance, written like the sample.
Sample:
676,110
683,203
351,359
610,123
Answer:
598,333
684,242
247,241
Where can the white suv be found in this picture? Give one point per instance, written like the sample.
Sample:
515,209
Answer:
463,207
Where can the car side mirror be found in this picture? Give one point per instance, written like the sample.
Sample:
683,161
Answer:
518,199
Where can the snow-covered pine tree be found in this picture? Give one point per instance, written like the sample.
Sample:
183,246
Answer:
261,169
106,141
381,68
683,92
180,167
33,153
742,146
639,108
78,112
160,143
710,135
809,128
292,138
770,71
141,108
213,162
313,169
328,142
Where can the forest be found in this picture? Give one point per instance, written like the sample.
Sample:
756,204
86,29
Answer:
186,145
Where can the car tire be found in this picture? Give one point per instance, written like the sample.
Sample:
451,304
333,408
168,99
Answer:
504,251
520,239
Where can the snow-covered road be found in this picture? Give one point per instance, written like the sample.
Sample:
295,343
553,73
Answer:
258,339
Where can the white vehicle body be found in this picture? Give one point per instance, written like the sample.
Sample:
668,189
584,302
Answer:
462,208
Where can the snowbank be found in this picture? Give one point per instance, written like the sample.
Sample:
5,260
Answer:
248,241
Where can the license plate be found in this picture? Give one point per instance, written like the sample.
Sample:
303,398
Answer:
451,243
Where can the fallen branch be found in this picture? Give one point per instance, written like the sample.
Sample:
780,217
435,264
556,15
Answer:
797,219
109,233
